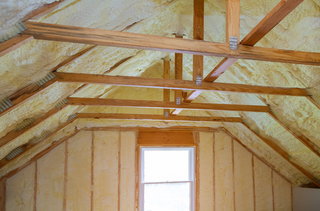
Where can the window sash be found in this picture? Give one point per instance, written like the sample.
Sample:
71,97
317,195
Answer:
191,161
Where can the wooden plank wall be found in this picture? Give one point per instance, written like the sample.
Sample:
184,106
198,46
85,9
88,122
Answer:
94,170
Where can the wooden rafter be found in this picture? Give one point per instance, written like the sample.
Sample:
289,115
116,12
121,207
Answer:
27,93
176,84
198,34
178,70
286,156
14,43
29,147
268,22
74,34
166,75
165,105
17,133
156,117
20,40
32,90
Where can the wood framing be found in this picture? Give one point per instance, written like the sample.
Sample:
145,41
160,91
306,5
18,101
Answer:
232,19
14,43
198,34
73,34
154,138
156,117
166,75
178,70
29,147
20,40
286,156
165,105
265,25
27,93
16,134
176,84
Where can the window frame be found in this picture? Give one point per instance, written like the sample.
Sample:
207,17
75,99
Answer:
192,172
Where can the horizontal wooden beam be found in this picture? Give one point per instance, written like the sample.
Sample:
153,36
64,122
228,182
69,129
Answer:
14,43
285,155
157,117
176,84
165,105
74,34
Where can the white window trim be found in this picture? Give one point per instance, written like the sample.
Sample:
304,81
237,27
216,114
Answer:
191,174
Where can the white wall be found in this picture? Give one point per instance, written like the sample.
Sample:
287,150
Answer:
306,199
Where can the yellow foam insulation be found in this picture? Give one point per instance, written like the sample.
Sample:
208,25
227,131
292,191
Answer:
223,172
243,178
282,194
262,186
20,190
78,195
106,146
127,170
206,171
50,180
299,31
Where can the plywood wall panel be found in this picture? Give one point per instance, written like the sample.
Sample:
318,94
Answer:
20,190
263,186
106,145
50,186
206,172
243,179
282,194
127,172
223,172
78,195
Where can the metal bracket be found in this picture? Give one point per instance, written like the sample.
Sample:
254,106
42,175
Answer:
46,79
14,153
233,43
65,101
13,31
72,117
178,100
198,80
166,114
25,123
42,136
5,104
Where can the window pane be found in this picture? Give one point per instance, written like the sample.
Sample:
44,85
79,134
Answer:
168,197
166,165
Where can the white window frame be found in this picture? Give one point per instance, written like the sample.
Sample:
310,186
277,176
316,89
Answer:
191,174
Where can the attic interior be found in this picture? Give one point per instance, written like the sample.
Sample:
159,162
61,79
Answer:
85,85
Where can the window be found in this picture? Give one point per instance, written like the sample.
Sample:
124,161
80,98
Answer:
167,179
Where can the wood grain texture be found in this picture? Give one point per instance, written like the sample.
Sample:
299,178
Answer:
232,19
286,156
176,84
165,105
16,134
166,75
44,10
198,34
264,26
30,147
156,117
14,43
157,43
27,93
277,14
165,138
178,71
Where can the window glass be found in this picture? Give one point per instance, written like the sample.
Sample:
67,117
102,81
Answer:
167,196
166,165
